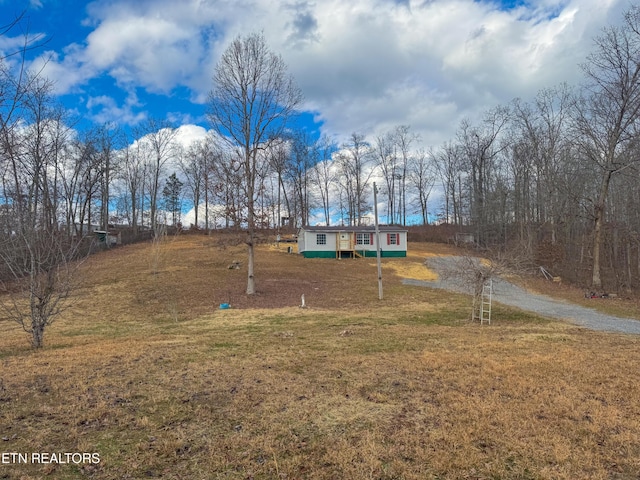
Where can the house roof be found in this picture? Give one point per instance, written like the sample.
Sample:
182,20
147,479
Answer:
357,229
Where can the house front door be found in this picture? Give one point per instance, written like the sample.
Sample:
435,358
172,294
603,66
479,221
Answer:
344,241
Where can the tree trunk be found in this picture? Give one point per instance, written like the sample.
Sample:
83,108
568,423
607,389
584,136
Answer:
628,259
37,335
251,282
250,173
596,280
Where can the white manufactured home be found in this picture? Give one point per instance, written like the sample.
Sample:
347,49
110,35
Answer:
342,241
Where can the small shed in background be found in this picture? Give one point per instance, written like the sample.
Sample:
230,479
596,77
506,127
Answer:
108,238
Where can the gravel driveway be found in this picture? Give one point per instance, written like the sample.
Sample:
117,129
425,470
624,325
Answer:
509,294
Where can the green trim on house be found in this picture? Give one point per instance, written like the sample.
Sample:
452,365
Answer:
367,253
385,254
319,254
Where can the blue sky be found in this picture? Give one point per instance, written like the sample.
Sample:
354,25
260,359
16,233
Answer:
363,65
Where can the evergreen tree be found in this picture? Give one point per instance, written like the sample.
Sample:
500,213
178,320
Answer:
172,195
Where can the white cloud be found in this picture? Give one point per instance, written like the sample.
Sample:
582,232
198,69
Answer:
107,110
432,63
187,134
364,65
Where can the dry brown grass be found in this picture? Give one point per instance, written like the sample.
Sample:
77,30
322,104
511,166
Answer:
151,375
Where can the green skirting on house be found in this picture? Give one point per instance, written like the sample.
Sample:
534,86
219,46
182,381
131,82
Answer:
318,254
388,253
366,253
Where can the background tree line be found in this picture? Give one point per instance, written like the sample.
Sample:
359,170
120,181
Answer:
557,176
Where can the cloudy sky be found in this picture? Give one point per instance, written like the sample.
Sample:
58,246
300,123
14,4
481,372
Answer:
363,65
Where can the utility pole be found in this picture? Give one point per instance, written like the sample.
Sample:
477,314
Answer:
375,210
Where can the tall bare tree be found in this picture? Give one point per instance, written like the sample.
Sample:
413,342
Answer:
106,145
538,152
193,163
35,254
449,166
252,99
158,136
278,154
481,146
387,161
421,177
301,158
354,163
80,172
324,174
132,173
608,113
228,186
403,138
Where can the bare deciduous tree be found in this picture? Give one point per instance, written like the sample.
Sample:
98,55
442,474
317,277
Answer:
196,163
353,162
449,166
421,177
481,146
252,99
608,113
301,158
278,154
472,274
106,145
43,265
387,161
403,138
159,139
36,256
324,175
132,174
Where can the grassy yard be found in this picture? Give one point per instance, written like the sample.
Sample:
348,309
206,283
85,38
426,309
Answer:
150,374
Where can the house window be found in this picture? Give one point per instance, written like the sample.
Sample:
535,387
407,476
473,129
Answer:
393,239
363,239
321,239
